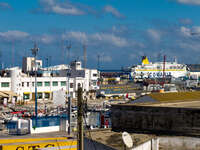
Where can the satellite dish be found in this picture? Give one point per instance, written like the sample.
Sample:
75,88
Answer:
127,139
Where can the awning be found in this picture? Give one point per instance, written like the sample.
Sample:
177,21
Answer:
47,91
26,92
9,93
3,95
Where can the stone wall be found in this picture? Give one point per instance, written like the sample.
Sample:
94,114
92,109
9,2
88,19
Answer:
159,120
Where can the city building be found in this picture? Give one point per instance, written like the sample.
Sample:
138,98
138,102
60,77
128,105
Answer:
21,81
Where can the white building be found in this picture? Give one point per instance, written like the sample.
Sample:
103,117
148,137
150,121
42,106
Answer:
28,64
23,84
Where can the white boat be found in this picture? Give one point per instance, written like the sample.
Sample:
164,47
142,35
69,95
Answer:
155,70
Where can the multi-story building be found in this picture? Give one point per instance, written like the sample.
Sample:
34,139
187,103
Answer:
63,77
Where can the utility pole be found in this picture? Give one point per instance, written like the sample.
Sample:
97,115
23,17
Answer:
85,55
34,52
80,119
69,98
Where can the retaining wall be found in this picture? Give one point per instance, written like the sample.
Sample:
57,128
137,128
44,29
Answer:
160,120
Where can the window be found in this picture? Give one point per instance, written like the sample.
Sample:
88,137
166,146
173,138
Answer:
47,83
27,84
158,67
39,83
22,84
46,95
33,83
39,95
63,83
55,83
71,85
5,84
94,75
26,96
94,83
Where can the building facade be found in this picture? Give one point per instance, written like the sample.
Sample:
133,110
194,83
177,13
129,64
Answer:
22,81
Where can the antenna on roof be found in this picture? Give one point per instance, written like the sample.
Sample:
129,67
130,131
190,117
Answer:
159,57
85,55
13,53
69,46
62,51
175,59
98,61
47,61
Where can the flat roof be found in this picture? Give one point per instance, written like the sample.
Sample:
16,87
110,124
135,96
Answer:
114,139
179,104
190,99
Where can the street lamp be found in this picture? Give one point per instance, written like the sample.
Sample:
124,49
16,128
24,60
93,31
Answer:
34,53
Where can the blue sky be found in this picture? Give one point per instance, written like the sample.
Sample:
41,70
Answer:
119,31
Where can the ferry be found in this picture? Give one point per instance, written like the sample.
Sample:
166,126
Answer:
155,70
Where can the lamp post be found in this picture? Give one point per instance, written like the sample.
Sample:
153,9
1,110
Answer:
34,53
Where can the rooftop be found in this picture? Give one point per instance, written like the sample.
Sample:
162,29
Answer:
190,99
114,139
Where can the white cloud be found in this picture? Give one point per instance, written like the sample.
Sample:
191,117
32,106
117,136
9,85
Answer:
76,35
185,31
66,11
193,31
110,38
113,11
62,8
192,2
96,38
13,35
46,39
154,34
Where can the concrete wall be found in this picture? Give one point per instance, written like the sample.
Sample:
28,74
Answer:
45,129
152,144
179,143
62,127
160,120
